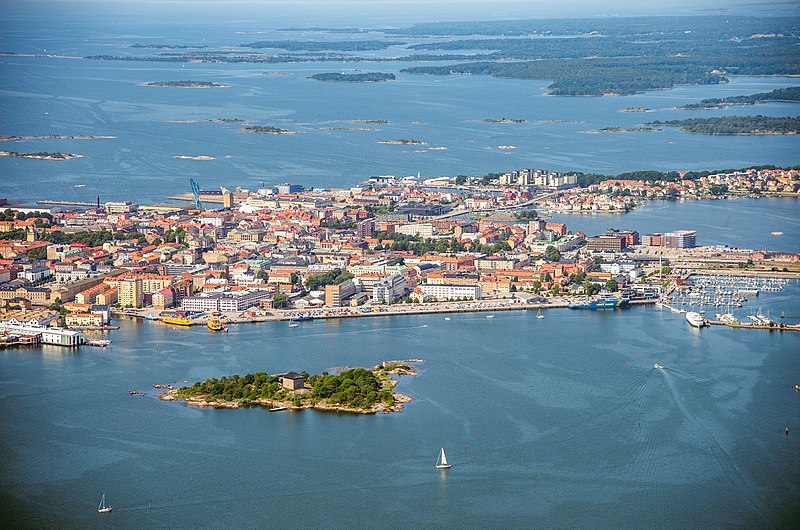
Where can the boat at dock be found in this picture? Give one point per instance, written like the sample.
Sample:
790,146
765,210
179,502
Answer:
215,324
177,321
695,319
98,342
607,302
277,409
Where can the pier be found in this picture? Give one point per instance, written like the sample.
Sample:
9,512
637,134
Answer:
740,325
67,203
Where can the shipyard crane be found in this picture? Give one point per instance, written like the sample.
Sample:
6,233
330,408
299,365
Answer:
196,194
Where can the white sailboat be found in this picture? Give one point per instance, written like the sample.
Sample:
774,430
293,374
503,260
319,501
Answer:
539,314
103,508
441,462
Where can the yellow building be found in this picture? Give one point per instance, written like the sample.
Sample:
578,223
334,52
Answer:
130,293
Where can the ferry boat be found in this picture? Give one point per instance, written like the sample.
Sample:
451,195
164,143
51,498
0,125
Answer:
695,319
602,303
215,324
177,321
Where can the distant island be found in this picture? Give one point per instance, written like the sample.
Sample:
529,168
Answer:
345,128
624,129
41,155
503,120
370,77
185,84
355,390
370,122
53,137
781,95
266,129
323,46
635,109
208,120
735,125
401,142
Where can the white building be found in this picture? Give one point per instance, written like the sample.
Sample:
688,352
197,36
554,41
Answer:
451,292
387,290
225,301
57,336
422,230
36,274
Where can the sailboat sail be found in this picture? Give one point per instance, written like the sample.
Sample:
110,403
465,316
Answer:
443,458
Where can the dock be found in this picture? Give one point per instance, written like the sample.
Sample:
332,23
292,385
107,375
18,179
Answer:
740,325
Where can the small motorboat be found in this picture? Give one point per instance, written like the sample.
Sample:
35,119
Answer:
447,318
293,324
489,316
657,366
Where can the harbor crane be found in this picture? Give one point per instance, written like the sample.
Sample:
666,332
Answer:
196,194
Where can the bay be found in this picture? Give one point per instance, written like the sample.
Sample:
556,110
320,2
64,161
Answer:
559,422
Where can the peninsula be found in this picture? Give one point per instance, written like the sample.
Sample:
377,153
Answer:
735,125
356,390
371,77
185,84
41,155
781,95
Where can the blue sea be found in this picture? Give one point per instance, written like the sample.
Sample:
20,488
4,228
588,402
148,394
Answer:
74,96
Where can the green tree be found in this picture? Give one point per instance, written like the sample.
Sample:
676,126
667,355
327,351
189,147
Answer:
612,286
280,300
551,253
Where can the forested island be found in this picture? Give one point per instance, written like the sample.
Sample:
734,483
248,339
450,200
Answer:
735,125
503,120
266,129
635,109
781,95
355,390
369,77
41,155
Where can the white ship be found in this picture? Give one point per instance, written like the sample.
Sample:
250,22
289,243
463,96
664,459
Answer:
695,319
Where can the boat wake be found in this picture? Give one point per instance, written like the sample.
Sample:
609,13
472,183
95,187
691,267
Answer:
721,455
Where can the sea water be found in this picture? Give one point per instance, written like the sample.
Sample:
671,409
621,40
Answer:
554,422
